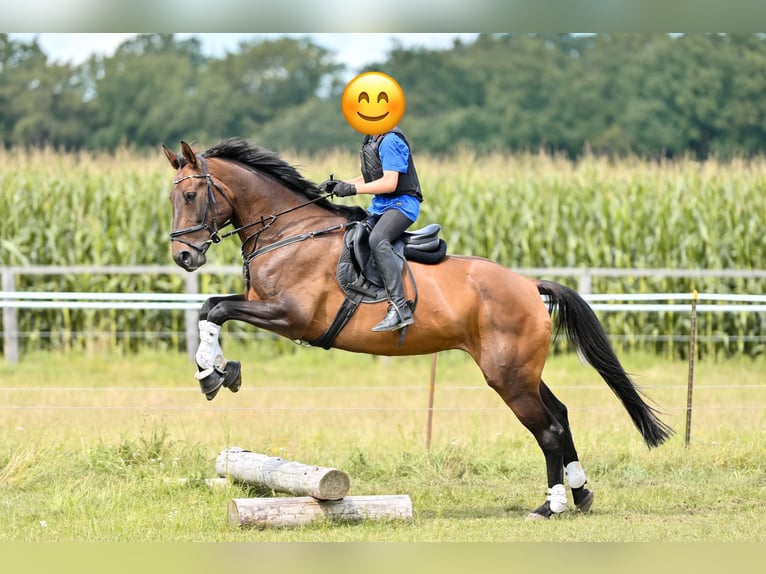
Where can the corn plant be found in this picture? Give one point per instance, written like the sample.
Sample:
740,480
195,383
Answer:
529,210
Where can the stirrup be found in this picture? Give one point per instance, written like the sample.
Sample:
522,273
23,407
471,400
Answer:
211,380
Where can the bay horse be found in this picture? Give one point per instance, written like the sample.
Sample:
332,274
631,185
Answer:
292,237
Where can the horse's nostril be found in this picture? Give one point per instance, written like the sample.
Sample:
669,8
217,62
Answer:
183,258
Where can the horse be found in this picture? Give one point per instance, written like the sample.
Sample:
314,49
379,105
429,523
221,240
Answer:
291,238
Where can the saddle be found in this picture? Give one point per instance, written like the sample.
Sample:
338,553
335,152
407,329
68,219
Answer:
359,278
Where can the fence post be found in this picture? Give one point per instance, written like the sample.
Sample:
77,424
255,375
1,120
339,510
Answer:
584,282
10,321
690,384
192,316
431,388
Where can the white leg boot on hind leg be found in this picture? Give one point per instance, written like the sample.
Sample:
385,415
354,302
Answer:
209,353
575,474
576,478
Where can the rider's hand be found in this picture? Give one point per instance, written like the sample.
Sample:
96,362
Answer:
328,185
344,189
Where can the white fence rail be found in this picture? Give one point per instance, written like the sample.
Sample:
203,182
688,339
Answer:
56,300
183,301
11,300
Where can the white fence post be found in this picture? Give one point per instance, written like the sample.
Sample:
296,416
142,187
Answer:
690,384
10,321
192,316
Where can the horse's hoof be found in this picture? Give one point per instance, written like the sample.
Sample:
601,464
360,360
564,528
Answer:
211,380
542,513
232,379
585,504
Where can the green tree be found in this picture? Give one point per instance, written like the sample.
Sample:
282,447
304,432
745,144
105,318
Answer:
40,103
145,93
679,97
594,87
315,126
742,117
253,86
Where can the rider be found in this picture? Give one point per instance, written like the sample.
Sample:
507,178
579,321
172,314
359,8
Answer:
388,173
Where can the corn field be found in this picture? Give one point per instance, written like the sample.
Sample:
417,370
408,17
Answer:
522,211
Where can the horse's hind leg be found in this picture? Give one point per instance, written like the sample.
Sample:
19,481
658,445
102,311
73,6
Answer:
519,388
575,475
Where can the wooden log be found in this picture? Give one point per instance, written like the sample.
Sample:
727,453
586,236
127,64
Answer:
280,475
298,511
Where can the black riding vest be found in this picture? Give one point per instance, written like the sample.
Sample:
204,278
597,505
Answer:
372,168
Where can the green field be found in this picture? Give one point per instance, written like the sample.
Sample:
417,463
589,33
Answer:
89,439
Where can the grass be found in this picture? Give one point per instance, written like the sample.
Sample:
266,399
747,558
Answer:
88,441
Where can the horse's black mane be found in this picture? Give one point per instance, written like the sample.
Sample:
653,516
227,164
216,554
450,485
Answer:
269,163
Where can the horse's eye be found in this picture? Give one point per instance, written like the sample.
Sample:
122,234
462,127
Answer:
189,196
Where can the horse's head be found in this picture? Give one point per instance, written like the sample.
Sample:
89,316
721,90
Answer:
200,208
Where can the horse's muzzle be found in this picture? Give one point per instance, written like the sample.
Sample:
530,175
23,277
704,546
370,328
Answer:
189,259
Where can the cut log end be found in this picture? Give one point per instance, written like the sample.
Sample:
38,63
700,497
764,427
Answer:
333,485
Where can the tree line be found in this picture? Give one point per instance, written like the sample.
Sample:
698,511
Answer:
651,95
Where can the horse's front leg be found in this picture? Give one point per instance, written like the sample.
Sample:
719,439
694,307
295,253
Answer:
213,370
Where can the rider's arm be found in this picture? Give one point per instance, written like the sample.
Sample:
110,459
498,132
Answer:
385,184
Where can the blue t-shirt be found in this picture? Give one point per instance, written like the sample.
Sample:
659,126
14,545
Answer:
394,156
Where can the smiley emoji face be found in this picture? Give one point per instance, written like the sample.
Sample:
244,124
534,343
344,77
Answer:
373,103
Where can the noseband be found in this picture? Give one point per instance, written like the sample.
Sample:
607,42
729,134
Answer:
210,202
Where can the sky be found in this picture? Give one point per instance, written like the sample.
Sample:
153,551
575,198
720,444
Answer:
353,50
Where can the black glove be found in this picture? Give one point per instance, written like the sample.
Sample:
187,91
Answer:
328,185
343,189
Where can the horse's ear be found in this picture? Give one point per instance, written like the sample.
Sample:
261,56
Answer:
172,157
189,154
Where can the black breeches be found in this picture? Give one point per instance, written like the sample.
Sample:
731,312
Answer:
389,227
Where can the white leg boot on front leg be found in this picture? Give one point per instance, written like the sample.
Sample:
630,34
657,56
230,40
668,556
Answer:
213,370
209,353
555,503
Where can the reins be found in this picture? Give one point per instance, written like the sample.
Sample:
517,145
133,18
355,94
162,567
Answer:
294,239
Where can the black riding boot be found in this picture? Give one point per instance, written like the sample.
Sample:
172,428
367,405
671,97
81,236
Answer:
399,313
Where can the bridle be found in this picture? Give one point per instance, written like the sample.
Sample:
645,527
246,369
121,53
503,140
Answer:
210,203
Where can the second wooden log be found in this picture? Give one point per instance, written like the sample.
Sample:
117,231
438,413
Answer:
298,511
280,475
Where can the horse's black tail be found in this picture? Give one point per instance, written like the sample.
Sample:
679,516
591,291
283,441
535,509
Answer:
587,334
